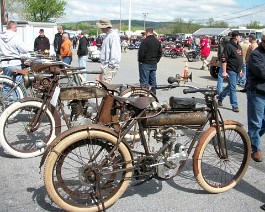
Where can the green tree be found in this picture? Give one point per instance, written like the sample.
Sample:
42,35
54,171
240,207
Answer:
44,10
211,22
221,24
254,25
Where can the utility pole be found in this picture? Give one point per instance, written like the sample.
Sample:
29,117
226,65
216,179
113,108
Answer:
130,14
120,15
2,15
144,14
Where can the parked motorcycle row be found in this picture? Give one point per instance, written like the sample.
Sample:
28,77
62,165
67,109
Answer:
174,50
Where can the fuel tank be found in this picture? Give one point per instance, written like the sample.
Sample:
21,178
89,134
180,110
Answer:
177,118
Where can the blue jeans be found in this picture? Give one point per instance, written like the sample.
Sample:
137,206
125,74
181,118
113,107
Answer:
230,88
256,115
82,63
67,60
220,80
242,79
16,77
147,75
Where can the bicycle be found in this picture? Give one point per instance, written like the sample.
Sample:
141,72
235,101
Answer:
88,168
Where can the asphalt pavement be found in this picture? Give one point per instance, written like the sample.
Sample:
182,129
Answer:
22,188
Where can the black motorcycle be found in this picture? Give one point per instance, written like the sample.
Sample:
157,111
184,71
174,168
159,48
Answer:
193,56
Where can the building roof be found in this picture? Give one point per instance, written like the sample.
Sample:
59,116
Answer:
212,31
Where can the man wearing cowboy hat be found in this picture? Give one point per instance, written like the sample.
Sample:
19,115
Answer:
110,55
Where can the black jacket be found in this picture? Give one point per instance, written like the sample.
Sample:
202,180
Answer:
232,55
150,51
256,68
82,47
57,42
41,43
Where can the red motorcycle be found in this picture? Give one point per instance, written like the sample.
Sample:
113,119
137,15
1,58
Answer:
177,51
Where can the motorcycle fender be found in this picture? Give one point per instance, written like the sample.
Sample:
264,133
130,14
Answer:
76,130
52,109
232,122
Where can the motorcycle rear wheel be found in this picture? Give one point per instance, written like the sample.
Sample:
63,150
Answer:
79,176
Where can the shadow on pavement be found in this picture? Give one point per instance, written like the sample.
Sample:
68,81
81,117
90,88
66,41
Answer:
40,197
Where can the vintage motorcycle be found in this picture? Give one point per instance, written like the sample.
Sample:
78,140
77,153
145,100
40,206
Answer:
89,167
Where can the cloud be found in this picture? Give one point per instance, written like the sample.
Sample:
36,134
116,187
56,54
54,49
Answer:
160,10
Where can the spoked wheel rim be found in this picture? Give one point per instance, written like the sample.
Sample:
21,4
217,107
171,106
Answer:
20,135
91,184
218,173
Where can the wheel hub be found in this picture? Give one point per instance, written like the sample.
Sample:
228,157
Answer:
87,175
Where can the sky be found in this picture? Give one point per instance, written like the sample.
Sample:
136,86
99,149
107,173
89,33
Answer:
234,12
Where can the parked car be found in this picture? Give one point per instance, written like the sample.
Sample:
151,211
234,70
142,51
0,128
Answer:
93,53
132,46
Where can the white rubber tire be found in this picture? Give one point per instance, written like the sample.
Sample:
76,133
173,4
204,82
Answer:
11,84
60,148
3,119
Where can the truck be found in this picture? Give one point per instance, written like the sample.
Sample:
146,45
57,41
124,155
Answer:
246,32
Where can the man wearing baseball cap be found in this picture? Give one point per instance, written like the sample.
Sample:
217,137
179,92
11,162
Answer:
232,62
110,55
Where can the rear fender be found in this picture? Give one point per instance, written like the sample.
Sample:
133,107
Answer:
77,129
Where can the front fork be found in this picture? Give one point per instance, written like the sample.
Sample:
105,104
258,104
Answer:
221,145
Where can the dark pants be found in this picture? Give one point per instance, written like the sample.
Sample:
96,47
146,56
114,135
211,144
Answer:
147,73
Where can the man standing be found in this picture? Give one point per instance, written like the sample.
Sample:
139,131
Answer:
253,45
232,62
150,53
82,52
11,49
256,98
110,54
244,46
140,64
41,43
220,79
58,41
66,49
205,51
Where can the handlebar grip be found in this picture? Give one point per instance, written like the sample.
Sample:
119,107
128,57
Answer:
190,90
93,72
166,86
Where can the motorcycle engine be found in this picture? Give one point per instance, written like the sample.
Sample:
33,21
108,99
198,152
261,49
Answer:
81,112
170,161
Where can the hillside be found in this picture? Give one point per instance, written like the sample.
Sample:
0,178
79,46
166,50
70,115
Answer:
89,27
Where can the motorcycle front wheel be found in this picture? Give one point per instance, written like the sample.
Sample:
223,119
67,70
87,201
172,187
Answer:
173,54
214,172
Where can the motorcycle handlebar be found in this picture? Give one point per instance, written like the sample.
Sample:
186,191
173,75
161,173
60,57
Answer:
201,90
81,70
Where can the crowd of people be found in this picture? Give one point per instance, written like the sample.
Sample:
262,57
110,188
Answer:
241,63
